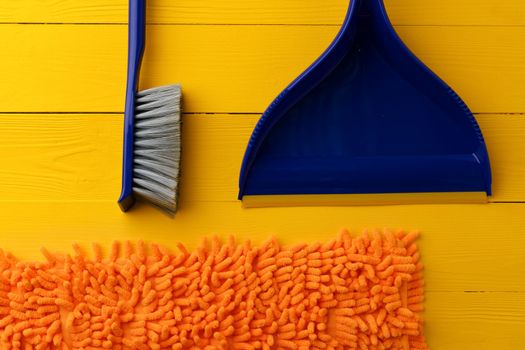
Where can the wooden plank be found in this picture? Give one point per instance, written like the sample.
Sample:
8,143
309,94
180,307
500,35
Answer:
66,157
81,68
464,247
406,12
60,157
502,135
475,320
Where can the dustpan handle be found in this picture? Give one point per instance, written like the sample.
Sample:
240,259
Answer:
370,7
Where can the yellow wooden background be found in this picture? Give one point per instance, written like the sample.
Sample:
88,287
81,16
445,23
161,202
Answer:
62,81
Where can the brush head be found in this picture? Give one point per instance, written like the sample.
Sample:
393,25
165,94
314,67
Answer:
157,146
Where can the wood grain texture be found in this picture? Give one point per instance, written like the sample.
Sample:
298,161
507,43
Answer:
66,157
464,247
475,320
503,134
53,158
403,12
234,68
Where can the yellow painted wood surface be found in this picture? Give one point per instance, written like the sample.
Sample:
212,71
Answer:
475,320
61,172
406,12
234,68
458,244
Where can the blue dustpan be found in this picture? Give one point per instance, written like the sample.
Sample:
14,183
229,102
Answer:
366,123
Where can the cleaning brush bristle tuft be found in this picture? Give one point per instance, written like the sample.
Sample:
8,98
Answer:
157,146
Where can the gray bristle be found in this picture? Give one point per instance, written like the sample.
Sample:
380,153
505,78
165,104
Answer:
158,146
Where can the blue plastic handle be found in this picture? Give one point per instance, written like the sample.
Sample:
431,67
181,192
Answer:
136,44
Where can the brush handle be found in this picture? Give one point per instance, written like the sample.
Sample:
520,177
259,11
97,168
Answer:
136,44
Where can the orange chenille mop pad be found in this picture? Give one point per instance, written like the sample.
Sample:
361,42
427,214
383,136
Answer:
350,293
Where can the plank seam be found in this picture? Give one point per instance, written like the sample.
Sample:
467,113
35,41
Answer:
258,24
212,113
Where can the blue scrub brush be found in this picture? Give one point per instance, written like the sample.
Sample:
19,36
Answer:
152,130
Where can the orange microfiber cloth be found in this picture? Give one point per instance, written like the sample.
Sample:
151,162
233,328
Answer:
350,293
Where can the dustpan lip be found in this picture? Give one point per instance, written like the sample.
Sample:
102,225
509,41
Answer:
324,65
